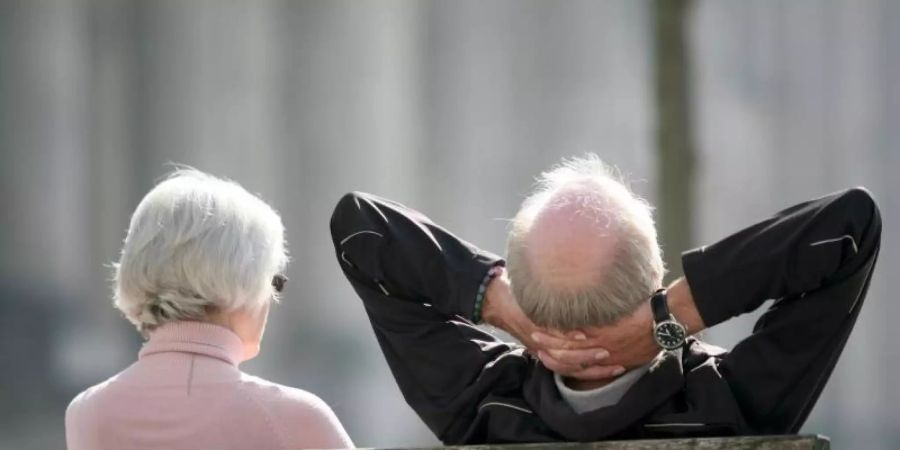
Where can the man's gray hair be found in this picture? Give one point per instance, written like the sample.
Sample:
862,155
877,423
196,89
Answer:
197,243
636,267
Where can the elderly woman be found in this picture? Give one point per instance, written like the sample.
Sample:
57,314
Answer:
201,264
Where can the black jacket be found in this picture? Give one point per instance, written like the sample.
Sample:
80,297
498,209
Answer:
418,283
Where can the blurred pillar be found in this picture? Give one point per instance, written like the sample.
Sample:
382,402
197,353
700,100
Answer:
351,121
43,113
44,225
210,91
674,134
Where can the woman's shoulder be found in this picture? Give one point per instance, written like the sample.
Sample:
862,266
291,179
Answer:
279,395
301,414
88,401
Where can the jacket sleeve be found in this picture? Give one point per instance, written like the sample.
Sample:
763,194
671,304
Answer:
815,260
418,284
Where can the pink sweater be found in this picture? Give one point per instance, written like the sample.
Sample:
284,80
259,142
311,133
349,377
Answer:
186,392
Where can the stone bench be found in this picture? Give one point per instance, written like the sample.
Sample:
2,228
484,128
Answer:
789,442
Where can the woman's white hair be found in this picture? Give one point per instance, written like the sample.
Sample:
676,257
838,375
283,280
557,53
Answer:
196,244
636,268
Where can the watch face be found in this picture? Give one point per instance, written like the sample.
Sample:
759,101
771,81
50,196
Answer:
669,335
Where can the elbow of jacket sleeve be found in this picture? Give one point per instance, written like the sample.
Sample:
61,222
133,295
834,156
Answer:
358,229
860,205
862,221
346,215
860,218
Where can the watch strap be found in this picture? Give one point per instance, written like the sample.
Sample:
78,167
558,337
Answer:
659,304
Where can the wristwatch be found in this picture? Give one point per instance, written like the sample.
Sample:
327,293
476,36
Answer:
667,331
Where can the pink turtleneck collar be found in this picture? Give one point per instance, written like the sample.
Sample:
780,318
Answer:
200,338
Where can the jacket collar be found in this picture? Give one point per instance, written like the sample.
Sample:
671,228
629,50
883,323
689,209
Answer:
195,337
663,379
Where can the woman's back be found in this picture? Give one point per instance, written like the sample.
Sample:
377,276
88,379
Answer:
186,391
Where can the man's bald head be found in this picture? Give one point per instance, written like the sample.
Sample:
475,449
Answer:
582,250
570,244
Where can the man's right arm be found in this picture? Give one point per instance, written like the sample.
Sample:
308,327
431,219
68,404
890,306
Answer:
815,260
419,283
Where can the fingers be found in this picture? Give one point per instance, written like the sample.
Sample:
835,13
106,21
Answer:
581,371
576,335
577,340
558,366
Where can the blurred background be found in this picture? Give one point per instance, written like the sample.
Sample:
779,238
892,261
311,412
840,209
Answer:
720,112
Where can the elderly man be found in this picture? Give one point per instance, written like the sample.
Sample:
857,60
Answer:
616,359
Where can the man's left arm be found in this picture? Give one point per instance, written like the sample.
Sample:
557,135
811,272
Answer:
815,259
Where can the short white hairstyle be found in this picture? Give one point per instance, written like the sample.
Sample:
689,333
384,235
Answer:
634,272
197,243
